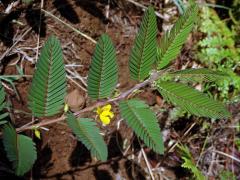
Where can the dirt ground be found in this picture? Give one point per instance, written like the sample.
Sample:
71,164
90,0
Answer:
60,155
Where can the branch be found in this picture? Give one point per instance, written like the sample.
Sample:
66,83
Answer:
144,8
69,26
154,76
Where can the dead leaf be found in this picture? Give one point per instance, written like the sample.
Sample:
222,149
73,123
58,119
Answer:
75,100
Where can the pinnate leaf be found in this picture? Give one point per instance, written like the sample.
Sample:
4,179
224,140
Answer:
191,100
144,123
143,54
87,132
102,76
172,41
20,149
48,88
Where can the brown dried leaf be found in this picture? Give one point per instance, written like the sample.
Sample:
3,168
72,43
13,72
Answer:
75,100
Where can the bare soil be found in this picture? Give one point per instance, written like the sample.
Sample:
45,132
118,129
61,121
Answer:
60,155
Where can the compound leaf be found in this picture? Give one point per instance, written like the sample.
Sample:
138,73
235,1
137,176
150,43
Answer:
172,41
20,149
143,53
46,95
102,77
144,123
191,100
87,132
199,75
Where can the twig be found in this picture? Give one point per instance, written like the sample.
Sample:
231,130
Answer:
154,76
172,147
202,150
69,26
148,164
24,56
210,168
144,8
75,74
227,155
184,135
75,82
6,86
39,28
73,65
233,152
15,43
10,7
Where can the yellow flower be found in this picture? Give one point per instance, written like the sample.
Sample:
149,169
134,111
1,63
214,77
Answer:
37,133
66,108
105,114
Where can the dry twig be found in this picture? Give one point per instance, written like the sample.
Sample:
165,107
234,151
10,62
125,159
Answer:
69,26
144,8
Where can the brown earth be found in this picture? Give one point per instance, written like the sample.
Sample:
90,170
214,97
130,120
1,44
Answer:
60,155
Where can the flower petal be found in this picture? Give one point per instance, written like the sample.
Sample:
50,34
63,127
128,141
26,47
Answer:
105,120
66,108
107,113
37,133
111,115
107,107
99,110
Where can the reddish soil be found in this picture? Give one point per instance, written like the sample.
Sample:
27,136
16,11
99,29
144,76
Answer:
60,155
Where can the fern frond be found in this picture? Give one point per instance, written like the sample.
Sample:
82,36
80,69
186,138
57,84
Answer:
199,75
144,123
172,41
46,95
189,163
143,53
20,150
3,104
191,100
102,77
86,131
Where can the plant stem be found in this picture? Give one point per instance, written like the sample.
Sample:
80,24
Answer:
154,76
69,26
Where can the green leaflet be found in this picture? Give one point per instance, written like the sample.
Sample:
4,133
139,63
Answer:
191,100
2,122
102,77
87,132
143,54
144,123
27,1
172,41
189,163
48,89
180,5
199,75
3,104
2,97
20,150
